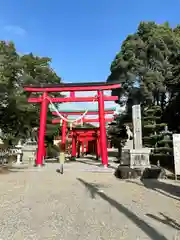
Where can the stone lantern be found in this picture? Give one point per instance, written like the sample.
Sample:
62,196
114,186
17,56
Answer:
29,150
19,152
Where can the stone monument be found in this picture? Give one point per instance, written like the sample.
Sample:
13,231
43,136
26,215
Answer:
137,127
176,147
133,154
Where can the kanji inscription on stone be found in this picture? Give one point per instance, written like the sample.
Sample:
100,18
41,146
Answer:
176,149
137,127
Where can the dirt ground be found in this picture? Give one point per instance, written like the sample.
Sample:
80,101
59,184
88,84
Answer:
86,204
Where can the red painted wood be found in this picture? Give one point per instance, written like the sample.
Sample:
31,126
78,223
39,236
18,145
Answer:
69,89
98,152
82,146
73,154
103,145
63,138
87,146
72,94
81,139
89,130
81,112
54,121
69,99
42,130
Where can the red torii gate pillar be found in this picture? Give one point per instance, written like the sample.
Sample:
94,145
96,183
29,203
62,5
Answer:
63,136
42,130
98,147
73,153
103,140
82,144
78,144
86,147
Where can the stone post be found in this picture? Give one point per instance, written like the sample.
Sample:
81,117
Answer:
137,127
138,157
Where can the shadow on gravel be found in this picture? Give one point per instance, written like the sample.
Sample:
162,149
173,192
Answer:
146,228
165,220
164,188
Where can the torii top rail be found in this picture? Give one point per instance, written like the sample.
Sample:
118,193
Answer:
72,88
68,87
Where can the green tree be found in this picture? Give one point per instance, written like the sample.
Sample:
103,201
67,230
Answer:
148,68
18,117
145,61
157,137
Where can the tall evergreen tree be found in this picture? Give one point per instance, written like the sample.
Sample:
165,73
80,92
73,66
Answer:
145,61
148,68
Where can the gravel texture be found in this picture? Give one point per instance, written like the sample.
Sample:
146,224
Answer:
84,205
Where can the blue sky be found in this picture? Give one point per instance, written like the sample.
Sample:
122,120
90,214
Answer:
81,36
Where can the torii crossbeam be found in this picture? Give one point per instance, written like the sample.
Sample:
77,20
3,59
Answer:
80,112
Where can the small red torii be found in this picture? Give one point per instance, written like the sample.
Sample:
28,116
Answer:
63,114
82,135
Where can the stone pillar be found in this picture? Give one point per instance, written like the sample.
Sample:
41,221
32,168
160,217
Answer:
176,147
137,127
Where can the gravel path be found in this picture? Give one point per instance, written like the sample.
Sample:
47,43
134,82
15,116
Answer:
83,205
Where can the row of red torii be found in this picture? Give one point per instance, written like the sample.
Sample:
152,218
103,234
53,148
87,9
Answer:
85,138
46,99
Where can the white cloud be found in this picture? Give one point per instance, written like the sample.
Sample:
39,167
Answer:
16,30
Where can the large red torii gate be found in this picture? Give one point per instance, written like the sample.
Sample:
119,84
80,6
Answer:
44,99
